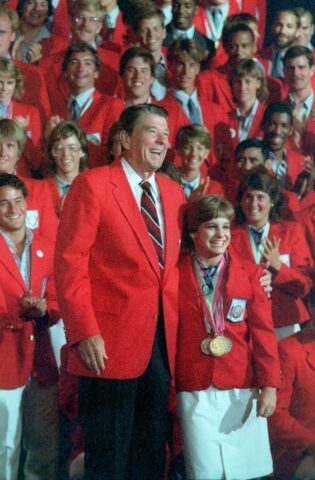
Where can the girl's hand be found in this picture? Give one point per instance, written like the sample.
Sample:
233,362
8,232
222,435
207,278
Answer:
266,402
270,253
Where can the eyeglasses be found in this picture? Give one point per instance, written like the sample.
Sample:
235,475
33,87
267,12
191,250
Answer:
60,149
82,18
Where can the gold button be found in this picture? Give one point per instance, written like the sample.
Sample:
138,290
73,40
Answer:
31,338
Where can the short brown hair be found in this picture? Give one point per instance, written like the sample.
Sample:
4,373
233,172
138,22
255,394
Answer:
130,117
250,67
204,209
192,132
65,130
136,52
81,48
183,48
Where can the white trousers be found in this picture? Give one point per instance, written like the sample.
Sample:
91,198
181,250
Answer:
10,432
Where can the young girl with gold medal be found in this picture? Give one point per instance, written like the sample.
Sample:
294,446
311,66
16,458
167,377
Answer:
227,361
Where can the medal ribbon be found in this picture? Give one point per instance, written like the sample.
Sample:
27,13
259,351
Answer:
86,104
213,311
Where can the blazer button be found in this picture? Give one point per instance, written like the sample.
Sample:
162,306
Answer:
31,338
155,317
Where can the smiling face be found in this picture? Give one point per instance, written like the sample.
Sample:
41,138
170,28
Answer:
298,74
81,71
7,88
245,89
12,210
192,155
67,153
256,206
277,131
145,148
183,13
35,12
284,30
212,239
9,155
151,34
137,79
85,27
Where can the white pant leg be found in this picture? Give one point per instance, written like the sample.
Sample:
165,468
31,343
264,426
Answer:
10,432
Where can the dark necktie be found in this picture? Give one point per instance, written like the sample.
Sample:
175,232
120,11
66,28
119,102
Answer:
149,213
65,187
256,234
75,110
187,187
193,112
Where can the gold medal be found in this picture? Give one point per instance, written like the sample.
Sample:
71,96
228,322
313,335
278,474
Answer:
219,346
204,346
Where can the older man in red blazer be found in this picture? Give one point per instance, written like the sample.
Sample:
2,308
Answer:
292,426
118,292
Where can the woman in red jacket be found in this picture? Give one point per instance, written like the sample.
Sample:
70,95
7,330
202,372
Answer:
262,237
227,366
68,152
27,116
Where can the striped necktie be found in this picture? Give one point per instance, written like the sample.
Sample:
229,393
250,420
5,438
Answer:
149,214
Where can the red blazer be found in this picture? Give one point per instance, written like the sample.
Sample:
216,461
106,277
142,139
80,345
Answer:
40,203
253,360
200,20
292,426
32,148
115,39
54,193
226,132
101,269
16,335
35,90
96,122
290,284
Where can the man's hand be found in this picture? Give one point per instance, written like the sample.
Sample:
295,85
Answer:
266,402
50,125
93,353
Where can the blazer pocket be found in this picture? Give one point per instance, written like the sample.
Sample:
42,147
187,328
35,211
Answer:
107,305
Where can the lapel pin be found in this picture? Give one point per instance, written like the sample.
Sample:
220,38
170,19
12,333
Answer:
39,253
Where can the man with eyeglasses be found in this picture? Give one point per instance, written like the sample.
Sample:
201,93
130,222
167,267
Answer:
80,101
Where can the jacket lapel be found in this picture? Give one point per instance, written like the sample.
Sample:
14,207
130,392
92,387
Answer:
9,263
129,208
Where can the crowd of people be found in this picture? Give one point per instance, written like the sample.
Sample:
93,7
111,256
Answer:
157,228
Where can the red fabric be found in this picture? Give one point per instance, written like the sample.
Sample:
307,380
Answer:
292,426
54,193
32,148
201,21
98,285
39,199
253,360
35,89
17,343
96,120
290,284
